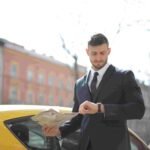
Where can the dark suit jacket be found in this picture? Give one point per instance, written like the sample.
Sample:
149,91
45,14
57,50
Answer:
122,99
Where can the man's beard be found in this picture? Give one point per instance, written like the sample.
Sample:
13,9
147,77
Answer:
99,66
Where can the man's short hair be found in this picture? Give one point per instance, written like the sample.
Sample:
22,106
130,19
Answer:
98,39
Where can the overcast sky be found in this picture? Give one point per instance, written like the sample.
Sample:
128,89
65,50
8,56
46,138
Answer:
38,24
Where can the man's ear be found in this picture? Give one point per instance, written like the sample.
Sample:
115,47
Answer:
87,51
109,50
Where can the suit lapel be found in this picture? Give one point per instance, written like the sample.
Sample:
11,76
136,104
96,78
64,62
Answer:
83,91
103,83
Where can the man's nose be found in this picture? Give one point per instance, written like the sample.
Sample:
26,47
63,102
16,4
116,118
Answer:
98,57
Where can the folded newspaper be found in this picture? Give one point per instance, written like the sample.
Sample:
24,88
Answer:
53,117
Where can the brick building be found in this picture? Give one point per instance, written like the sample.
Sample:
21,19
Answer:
30,78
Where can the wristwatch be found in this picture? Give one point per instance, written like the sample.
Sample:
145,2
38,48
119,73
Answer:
99,107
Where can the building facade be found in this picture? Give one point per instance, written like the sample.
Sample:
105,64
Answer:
30,78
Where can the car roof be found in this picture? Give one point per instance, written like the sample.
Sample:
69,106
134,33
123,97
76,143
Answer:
23,107
15,111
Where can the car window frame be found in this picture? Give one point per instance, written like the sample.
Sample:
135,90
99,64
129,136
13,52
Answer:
8,124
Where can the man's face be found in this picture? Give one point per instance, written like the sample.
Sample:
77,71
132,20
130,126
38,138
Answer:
98,55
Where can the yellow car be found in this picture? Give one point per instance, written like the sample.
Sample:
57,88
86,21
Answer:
19,132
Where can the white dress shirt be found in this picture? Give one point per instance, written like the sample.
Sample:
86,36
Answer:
100,75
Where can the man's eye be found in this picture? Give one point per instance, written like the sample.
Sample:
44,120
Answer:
102,53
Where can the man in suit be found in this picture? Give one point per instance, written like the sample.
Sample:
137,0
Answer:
105,101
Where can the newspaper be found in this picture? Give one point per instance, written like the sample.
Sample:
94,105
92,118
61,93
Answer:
53,117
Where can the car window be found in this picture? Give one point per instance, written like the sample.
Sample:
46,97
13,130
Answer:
136,144
30,134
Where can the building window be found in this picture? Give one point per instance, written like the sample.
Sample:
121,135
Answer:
50,80
51,99
41,98
69,85
60,100
60,84
30,98
41,78
30,75
13,70
13,95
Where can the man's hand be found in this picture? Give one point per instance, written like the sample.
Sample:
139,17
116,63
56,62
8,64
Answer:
88,107
51,131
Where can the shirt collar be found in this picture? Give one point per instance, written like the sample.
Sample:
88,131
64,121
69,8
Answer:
100,71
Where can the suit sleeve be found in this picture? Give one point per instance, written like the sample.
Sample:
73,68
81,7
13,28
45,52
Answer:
75,122
133,108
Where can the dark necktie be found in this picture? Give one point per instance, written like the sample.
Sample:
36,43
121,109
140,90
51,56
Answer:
93,84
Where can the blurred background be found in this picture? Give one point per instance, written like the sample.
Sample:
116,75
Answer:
43,42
